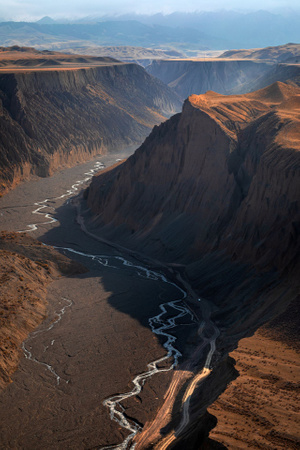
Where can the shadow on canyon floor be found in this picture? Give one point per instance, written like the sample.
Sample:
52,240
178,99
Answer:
244,299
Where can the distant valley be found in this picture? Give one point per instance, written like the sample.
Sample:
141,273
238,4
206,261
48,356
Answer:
233,72
183,32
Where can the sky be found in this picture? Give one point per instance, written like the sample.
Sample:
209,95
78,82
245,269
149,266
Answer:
35,9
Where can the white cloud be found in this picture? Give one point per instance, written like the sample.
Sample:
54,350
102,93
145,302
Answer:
35,9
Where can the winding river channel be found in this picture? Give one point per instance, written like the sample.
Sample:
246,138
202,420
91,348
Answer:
163,324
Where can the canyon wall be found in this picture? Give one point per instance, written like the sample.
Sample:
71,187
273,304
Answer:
224,76
196,77
50,118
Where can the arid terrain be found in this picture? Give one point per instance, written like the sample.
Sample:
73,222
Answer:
94,350
127,53
288,53
149,298
261,407
20,58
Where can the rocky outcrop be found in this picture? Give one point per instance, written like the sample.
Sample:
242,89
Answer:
50,118
268,364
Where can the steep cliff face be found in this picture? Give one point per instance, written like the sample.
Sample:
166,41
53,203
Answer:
223,174
197,77
55,117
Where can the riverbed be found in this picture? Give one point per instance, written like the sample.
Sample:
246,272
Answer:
106,336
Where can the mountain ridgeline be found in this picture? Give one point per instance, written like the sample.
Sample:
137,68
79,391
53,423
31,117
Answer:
196,77
54,117
182,31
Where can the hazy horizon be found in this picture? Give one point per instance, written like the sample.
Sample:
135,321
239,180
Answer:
74,9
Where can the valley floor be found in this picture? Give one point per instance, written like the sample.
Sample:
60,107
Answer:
100,343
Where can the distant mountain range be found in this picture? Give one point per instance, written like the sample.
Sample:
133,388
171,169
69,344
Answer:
182,31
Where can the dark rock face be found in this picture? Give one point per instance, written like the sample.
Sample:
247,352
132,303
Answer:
55,117
222,175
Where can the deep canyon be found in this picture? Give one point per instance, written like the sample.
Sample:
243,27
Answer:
149,299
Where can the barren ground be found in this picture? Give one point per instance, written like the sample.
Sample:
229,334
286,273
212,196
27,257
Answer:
261,408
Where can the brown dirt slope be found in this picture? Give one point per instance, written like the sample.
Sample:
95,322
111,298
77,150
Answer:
261,408
15,57
27,267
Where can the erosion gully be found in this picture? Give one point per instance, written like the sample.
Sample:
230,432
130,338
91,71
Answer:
160,324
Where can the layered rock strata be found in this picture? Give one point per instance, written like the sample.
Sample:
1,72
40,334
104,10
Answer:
223,174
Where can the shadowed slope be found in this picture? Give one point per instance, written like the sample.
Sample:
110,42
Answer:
211,171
